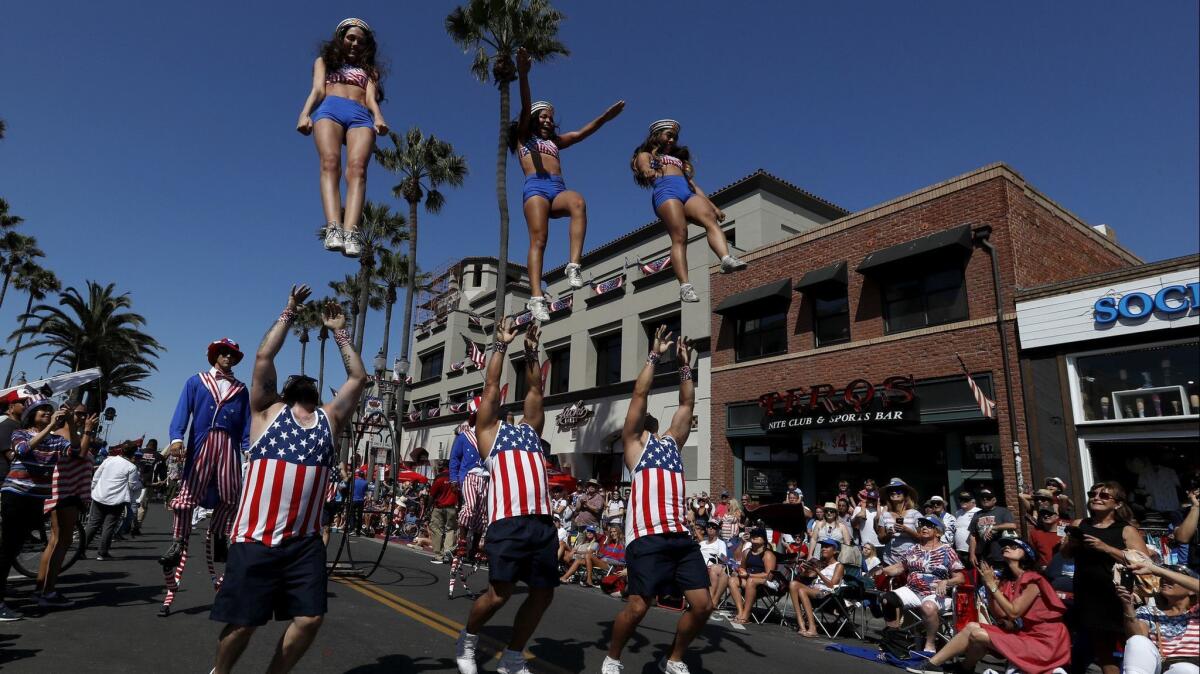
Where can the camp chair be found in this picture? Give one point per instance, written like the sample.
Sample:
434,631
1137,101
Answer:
835,611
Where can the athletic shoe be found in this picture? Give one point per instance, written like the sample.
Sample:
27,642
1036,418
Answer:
730,263
8,615
930,668
611,666
513,662
672,667
464,653
170,558
164,611
103,557
333,237
687,293
575,275
537,306
351,243
54,600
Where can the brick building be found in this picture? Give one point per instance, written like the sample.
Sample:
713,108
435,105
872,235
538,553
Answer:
865,318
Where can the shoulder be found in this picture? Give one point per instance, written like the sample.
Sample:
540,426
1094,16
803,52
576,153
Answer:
319,62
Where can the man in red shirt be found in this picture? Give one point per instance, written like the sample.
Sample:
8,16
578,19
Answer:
1045,538
443,521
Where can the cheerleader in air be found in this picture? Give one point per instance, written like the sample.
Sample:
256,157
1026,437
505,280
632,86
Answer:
535,139
343,109
664,165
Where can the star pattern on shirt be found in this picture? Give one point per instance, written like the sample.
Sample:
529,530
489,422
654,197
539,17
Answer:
522,438
661,454
284,440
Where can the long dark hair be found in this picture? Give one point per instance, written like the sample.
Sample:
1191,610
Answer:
679,152
334,58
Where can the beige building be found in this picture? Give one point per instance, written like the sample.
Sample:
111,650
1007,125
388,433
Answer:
595,342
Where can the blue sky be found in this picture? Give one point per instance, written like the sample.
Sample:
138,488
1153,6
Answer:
155,148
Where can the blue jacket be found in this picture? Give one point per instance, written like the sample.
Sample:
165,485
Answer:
196,404
463,457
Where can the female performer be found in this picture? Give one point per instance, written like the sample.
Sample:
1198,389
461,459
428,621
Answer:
70,495
346,85
535,139
662,164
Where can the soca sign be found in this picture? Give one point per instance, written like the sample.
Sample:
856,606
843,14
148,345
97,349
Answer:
859,403
1169,301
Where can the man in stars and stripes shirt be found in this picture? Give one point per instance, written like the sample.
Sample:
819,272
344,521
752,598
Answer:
276,557
522,541
662,556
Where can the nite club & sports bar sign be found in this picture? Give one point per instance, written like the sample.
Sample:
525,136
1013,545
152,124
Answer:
859,403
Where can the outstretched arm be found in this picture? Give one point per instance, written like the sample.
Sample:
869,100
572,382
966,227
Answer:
571,137
305,124
534,413
262,384
635,417
341,408
523,120
488,415
681,423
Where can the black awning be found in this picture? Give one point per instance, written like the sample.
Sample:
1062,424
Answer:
776,292
834,273
956,238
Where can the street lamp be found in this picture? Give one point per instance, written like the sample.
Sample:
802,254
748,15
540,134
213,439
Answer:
109,415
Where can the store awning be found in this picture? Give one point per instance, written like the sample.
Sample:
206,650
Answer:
834,273
956,238
776,292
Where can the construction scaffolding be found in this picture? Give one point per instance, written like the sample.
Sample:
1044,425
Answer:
440,296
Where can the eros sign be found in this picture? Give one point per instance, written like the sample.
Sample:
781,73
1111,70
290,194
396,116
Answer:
1169,301
860,403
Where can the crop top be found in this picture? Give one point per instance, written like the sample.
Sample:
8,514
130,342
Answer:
659,161
539,145
348,74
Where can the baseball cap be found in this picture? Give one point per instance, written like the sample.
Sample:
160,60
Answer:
1058,481
1044,493
831,541
1017,542
712,524
965,495
986,493
934,522
936,499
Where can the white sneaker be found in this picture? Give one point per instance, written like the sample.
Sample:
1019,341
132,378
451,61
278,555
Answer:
351,243
611,666
687,293
672,667
730,263
513,662
537,306
464,653
333,237
575,275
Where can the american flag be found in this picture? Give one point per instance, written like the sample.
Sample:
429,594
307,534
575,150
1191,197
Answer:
475,353
519,483
459,408
434,411
457,365
285,482
561,303
609,285
656,266
987,406
414,416
475,319
522,319
656,494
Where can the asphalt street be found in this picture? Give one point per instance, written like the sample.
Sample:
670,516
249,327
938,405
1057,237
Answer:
397,620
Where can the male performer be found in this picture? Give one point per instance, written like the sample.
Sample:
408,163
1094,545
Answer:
467,471
662,556
218,407
276,557
522,541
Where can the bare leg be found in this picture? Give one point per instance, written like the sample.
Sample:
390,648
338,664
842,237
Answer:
486,605
748,601
537,219
359,143
230,646
571,203
674,219
956,646
529,615
722,584
294,642
589,564
929,614
570,571
62,529
977,647
735,589
700,211
626,622
806,595
795,588
328,135
691,622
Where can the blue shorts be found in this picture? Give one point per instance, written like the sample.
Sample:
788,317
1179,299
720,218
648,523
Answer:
287,580
524,548
344,111
665,564
542,185
671,187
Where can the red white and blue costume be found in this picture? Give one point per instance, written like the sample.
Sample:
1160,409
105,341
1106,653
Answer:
656,495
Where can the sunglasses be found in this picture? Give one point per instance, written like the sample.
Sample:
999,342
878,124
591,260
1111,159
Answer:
1101,496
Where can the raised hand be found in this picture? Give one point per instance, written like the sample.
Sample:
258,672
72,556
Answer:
298,295
91,422
684,350
613,110
532,336
332,316
524,61
59,418
507,331
662,340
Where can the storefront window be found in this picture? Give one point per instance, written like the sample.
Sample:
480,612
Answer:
760,336
1147,382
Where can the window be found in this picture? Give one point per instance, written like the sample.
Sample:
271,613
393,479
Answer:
1153,381
760,336
431,364
520,381
669,362
938,296
560,370
608,358
477,276
831,314
731,236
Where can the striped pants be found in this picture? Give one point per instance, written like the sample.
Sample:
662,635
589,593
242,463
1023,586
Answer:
216,457
473,514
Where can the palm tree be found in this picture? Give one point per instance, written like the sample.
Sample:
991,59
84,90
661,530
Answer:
391,273
17,250
424,163
308,318
8,221
379,229
38,283
96,329
503,26
322,337
3,128
349,293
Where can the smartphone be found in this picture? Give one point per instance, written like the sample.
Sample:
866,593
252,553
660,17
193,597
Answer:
1127,578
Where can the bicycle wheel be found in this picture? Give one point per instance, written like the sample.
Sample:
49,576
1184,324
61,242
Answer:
30,557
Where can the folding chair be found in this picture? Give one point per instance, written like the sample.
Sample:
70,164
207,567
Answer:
834,611
769,599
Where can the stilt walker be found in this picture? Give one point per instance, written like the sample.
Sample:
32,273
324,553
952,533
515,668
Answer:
662,556
468,472
213,413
